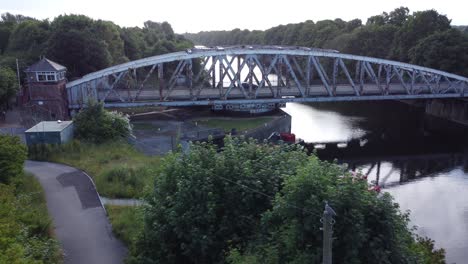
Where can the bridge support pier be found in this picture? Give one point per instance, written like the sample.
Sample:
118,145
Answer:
447,117
455,110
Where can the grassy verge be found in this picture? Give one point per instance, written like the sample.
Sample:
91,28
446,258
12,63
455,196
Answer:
118,169
26,234
240,124
127,223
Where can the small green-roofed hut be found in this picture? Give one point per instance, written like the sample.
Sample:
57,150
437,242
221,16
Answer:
50,132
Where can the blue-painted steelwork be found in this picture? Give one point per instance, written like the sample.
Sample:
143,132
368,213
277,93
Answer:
223,76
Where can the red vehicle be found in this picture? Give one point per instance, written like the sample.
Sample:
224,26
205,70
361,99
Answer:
286,137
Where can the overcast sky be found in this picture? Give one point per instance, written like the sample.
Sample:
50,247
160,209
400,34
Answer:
194,16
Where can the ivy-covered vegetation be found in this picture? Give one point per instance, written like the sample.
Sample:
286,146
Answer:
25,227
425,38
262,203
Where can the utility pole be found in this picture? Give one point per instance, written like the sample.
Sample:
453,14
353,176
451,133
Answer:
327,222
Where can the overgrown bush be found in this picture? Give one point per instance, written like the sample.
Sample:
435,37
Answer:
369,228
259,203
203,202
97,125
12,156
24,224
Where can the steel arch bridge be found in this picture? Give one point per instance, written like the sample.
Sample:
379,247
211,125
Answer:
260,76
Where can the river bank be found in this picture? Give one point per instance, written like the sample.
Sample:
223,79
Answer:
157,135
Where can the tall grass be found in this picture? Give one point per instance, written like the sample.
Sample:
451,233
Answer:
127,223
118,169
26,231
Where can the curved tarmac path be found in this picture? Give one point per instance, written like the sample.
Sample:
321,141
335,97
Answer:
80,221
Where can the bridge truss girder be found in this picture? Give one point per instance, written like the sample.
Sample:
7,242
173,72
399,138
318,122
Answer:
239,75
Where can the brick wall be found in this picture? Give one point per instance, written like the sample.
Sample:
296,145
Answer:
49,98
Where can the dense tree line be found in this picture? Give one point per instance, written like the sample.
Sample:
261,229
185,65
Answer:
425,38
80,43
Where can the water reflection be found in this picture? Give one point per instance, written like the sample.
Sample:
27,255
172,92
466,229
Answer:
313,125
439,209
426,172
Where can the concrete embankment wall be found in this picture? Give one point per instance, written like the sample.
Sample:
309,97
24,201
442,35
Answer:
452,109
282,123
443,116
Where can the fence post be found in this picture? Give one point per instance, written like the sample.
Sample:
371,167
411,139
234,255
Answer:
327,222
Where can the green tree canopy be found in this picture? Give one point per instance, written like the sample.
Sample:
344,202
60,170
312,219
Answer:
8,85
203,201
370,41
398,16
263,204
369,227
134,44
388,36
76,44
8,23
418,26
109,33
446,50
82,44
79,51
28,39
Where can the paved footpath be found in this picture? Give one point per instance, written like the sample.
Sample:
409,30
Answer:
80,222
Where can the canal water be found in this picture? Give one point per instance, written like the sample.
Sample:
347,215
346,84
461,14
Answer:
420,160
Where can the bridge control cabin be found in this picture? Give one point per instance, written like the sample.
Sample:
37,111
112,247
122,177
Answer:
45,91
